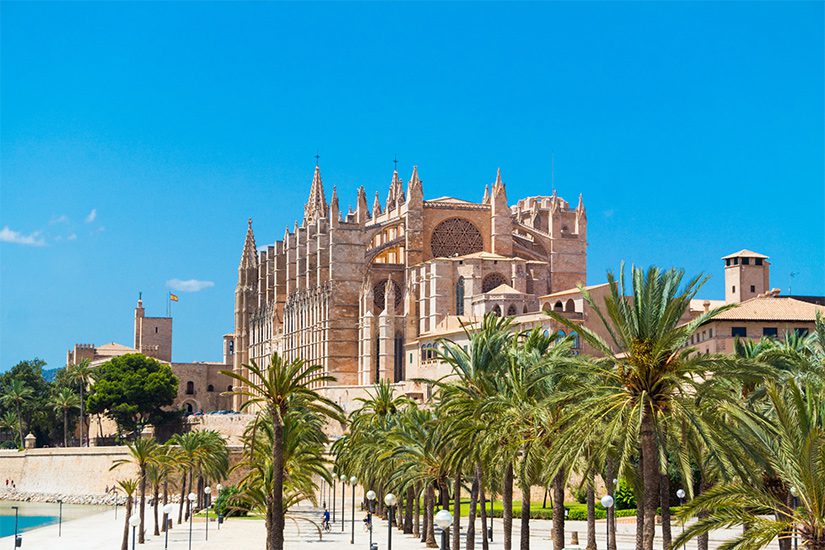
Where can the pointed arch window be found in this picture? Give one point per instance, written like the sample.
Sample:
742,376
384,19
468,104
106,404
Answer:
459,296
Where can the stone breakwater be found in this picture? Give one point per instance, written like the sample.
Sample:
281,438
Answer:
98,500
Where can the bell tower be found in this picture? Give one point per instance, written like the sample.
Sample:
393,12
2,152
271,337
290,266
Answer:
747,274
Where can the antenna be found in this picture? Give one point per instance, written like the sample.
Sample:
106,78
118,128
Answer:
553,169
790,284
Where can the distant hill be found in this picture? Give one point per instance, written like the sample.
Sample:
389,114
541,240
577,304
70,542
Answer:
49,374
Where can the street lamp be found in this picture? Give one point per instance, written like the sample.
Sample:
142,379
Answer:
681,494
207,490
795,504
332,484
220,516
17,541
352,481
192,497
389,500
444,519
134,521
168,510
607,503
343,500
60,519
370,500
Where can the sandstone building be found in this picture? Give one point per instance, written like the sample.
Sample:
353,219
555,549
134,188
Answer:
357,291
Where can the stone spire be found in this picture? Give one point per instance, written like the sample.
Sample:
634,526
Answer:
415,182
334,209
396,192
249,257
502,228
486,198
389,296
580,207
361,211
499,188
316,206
376,206
415,191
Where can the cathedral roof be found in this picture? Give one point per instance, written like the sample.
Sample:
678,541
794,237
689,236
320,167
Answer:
451,200
504,289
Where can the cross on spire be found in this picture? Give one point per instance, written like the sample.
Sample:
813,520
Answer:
317,158
395,162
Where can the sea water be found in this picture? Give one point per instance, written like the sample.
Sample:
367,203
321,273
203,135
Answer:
24,523
32,515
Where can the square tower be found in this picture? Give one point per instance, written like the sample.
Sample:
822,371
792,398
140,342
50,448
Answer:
747,274
153,335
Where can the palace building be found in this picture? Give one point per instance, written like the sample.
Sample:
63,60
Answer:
359,292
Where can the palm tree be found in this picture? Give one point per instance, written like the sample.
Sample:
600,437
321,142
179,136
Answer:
651,377
128,486
16,393
63,401
276,389
9,421
81,374
144,452
789,434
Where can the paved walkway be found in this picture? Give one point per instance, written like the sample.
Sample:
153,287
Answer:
103,532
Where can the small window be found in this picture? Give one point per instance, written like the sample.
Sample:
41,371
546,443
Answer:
758,261
770,332
229,388
733,288
801,331
727,262
739,332
156,330
459,296
190,388
746,261
736,261
210,388
411,357
753,288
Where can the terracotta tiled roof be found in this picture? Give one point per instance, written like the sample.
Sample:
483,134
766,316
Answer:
745,253
575,290
504,289
772,309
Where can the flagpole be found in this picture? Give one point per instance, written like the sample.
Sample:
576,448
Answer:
168,304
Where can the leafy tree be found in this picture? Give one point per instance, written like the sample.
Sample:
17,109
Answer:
15,396
131,389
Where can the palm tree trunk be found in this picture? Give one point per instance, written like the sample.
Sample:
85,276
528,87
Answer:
650,478
640,522
611,512
703,540
558,510
456,528
591,513
20,424
430,523
408,510
141,527
471,516
155,502
525,514
269,526
165,499
182,497
425,520
417,511
507,507
277,534
485,544
65,427
124,543
82,383
664,499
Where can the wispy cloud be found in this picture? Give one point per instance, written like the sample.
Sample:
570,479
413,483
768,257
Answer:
62,218
72,237
91,216
10,236
188,285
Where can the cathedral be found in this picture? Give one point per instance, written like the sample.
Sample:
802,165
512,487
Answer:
359,292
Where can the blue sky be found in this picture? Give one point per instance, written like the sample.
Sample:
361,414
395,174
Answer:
137,139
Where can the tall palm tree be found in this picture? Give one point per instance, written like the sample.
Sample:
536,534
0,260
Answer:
9,421
275,390
128,486
789,434
81,374
16,393
143,452
63,401
652,373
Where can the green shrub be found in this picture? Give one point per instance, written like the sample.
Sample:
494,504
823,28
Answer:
623,496
581,495
228,504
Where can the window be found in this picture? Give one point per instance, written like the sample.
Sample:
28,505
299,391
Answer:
459,296
511,310
497,311
739,332
576,340
770,332
758,261
746,261
228,388
727,262
411,358
455,237
733,288
492,281
156,330
801,331
753,288
736,261
560,335
231,347
210,388
190,388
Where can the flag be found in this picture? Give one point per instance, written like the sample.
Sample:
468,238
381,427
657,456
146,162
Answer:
173,297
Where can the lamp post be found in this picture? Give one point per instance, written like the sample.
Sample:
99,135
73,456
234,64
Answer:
352,481
220,516
443,519
134,521
168,510
795,504
492,498
343,500
332,484
16,513
389,500
681,495
207,491
370,500
60,519
192,497
607,502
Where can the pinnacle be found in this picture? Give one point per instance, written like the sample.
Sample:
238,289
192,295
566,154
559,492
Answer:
316,206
